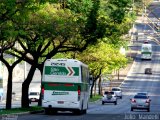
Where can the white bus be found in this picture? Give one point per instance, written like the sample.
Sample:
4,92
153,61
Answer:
146,51
65,86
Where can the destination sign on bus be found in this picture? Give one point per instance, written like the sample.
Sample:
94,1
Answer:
57,64
64,71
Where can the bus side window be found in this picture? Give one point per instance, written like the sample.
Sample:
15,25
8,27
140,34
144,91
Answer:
84,75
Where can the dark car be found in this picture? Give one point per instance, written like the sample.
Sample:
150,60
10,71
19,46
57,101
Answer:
146,41
148,71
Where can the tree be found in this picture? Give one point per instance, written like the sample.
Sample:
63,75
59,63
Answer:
117,9
101,58
39,41
8,35
10,66
5,46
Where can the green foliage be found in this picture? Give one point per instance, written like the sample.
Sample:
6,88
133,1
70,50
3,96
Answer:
10,60
118,18
117,9
79,6
92,32
95,98
103,57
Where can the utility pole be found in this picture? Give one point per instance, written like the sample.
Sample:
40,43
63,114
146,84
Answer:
133,26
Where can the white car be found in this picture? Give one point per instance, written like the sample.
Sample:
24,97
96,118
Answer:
33,96
140,102
109,97
117,91
158,24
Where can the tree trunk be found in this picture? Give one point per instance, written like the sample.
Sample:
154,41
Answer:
9,89
40,101
95,87
118,74
25,87
100,86
94,81
91,93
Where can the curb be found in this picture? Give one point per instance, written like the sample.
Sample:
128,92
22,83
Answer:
95,101
24,113
35,112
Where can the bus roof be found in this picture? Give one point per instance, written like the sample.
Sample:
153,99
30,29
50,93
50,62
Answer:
73,62
146,45
63,70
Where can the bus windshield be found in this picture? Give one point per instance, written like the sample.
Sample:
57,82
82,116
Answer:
146,51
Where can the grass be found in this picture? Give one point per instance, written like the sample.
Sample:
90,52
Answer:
20,110
95,98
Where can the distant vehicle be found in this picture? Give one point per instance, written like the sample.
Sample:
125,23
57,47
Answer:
109,97
146,41
34,96
65,86
148,71
158,25
146,52
140,102
117,91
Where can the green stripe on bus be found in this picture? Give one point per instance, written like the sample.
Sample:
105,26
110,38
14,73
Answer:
65,86
58,70
146,52
76,70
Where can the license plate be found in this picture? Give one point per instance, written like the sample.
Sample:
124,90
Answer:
60,102
140,105
32,99
109,97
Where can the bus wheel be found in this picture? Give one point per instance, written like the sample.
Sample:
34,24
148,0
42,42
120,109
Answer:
54,112
47,111
78,112
84,111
